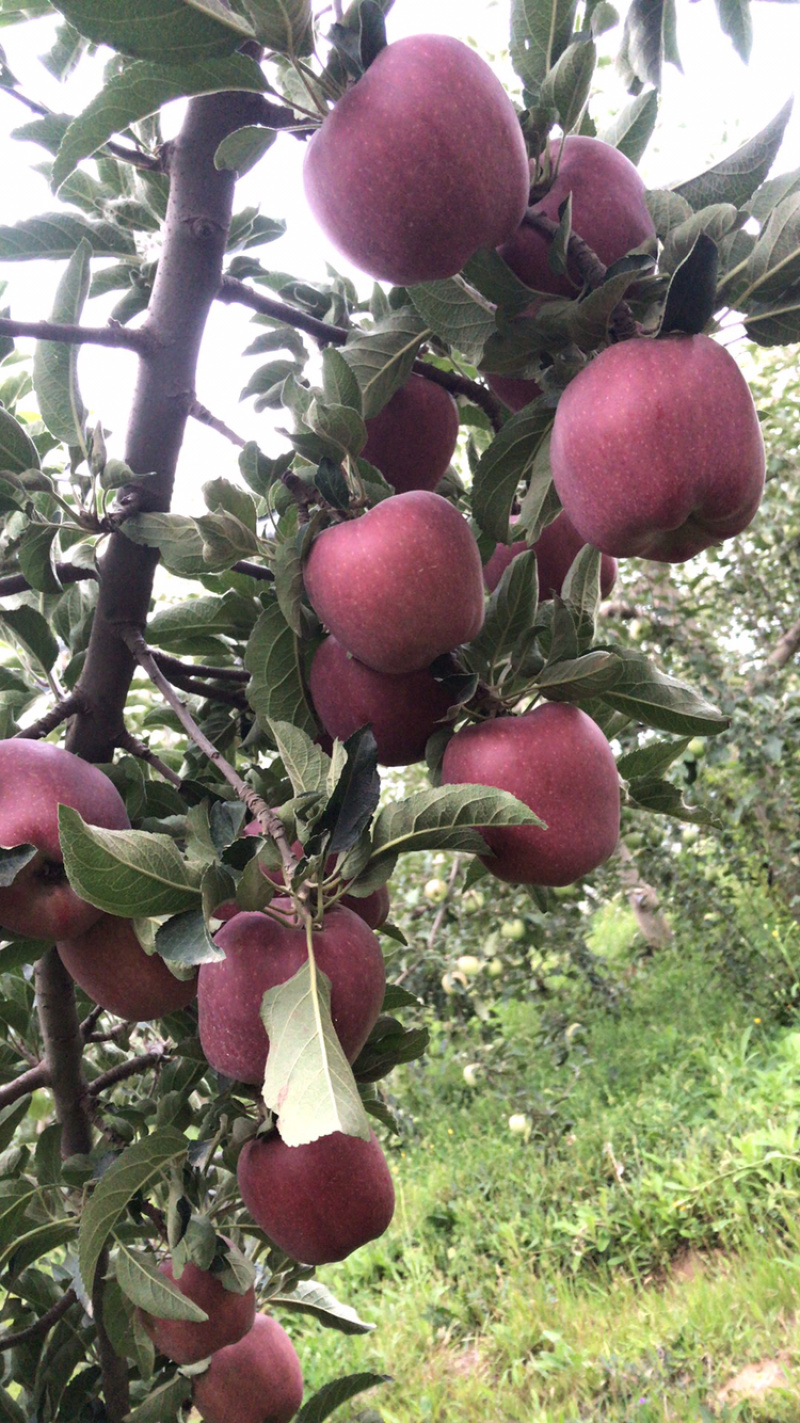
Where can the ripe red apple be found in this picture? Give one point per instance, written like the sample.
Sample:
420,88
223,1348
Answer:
412,439
257,1380
112,968
372,908
514,392
657,450
557,761
230,1316
35,778
318,1202
609,212
260,954
556,549
401,584
419,164
403,711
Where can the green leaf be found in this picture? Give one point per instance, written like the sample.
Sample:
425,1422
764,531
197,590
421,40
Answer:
456,313
283,25
332,1395
163,1404
14,858
566,87
287,566
776,325
339,383
10,1410
308,1082
663,798
28,1246
139,1167
306,764
632,128
274,659
652,759
508,460
258,470
32,632
389,1044
510,612
166,31
140,90
774,263
126,872
382,358
56,235
184,940
17,450
736,178
242,150
341,428
445,818
658,700
576,678
312,1297
35,557
715,221
540,32
178,539
646,42
354,797
55,363
736,21
142,1282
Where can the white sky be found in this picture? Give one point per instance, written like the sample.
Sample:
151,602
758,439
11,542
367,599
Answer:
706,112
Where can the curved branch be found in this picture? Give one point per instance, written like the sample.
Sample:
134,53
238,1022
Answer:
62,711
122,1070
42,1326
65,572
30,1081
122,337
200,669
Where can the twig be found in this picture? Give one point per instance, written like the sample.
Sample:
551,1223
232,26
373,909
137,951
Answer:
127,338
149,162
462,385
199,412
42,1326
30,1081
65,572
123,1070
270,823
200,669
90,1021
130,743
253,570
62,711
201,689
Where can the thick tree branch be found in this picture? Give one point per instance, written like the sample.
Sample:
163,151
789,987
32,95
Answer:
65,572
123,337
42,1326
62,711
200,669
31,1081
61,1031
122,1070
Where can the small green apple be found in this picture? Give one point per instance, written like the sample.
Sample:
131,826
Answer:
436,890
472,900
494,968
472,1074
519,1124
513,929
469,965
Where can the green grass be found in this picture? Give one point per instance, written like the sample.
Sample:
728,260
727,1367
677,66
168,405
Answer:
531,1278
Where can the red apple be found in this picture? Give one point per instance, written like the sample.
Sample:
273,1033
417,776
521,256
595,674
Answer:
657,450
419,164
35,778
257,1380
403,711
556,549
401,584
412,439
230,1316
112,968
514,392
557,761
609,212
259,954
318,1202
372,908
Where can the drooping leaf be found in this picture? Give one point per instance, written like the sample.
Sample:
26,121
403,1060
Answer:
658,700
56,236
17,450
165,31
32,632
631,129
55,363
579,678
283,25
308,1081
242,150
692,294
388,1045
445,818
652,759
566,86
457,314
274,659
354,797
774,264
736,178
184,940
143,1284
165,1403
381,358
178,539
126,872
138,1167
540,32
664,798
312,1297
14,858
508,460
510,612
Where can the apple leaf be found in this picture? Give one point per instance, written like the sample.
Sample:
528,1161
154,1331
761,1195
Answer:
163,1404
508,460
736,22
658,700
456,313
312,1297
777,325
283,25
445,818
388,1045
566,86
167,31
736,178
540,32
55,364
577,678
510,612
652,759
692,295
339,382
178,540
306,764
142,1282
767,197
17,450
332,1395
128,873
631,129
648,39
185,941
308,1081
14,858
354,798
287,566
256,468
663,798
274,659
10,1409
714,222
340,429
774,264
32,632
382,358
56,235
581,592
243,149
136,1168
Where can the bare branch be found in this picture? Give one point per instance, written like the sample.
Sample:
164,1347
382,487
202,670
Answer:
62,711
200,669
42,1326
27,1082
122,337
199,412
254,570
122,1070
65,572
196,688
58,1019
130,743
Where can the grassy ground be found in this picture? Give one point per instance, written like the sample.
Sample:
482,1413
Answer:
624,1258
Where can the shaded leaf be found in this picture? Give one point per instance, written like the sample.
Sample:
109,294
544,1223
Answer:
381,358
445,818
56,236
306,764
692,295
184,940
138,1167
458,315
663,798
142,1282
510,612
736,178
171,31
17,450
540,32
274,659
631,130
32,632
55,363
126,872
652,759
242,150
312,1297
354,797
658,700
163,1404
508,460
283,25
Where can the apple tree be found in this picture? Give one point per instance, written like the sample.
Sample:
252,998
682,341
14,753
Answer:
197,853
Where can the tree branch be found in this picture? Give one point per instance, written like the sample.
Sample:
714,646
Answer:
204,416
123,337
63,1044
781,654
42,1326
130,743
65,572
31,1081
123,1070
254,570
200,689
200,669
62,711
589,268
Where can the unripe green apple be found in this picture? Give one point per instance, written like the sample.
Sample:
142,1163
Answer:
519,1124
436,890
469,965
513,929
472,1073
494,968
472,900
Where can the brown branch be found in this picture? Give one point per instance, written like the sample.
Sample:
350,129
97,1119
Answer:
63,1043
114,1369
207,691
123,337
462,385
149,162
62,711
130,743
42,1326
253,570
30,1081
781,654
589,268
200,669
123,1070
204,416
65,572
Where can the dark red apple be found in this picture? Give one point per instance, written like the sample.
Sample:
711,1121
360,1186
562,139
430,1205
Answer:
419,164
401,584
556,549
318,1202
230,1316
657,450
412,439
35,778
609,212
257,1380
514,392
372,908
403,711
259,954
112,968
557,761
